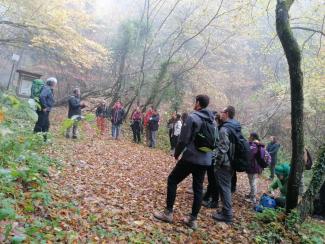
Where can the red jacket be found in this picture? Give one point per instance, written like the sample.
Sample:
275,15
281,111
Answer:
146,118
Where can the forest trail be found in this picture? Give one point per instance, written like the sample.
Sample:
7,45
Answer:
113,187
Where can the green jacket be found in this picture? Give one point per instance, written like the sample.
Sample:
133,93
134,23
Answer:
282,185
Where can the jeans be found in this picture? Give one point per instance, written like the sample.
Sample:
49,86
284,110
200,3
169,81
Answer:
234,182
179,173
116,129
224,176
153,138
253,185
147,135
212,190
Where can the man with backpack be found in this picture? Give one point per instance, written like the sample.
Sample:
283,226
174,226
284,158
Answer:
46,102
74,112
197,141
230,140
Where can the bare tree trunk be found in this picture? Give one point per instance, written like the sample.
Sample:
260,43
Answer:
293,55
306,206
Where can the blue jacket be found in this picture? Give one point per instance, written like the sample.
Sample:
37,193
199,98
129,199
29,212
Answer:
47,98
190,128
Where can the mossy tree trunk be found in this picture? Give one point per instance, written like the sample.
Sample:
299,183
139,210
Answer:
293,55
306,206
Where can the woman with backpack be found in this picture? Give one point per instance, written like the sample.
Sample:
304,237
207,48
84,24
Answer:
101,116
255,168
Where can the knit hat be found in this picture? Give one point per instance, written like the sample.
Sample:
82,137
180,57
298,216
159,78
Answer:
282,169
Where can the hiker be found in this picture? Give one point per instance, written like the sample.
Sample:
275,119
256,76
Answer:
192,162
101,116
211,196
170,127
153,127
273,148
254,169
136,120
281,182
224,158
74,112
117,119
46,99
146,124
184,117
176,131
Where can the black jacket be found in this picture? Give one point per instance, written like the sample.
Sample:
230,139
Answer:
74,106
189,130
154,122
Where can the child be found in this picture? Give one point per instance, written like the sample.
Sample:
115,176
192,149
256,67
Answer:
282,172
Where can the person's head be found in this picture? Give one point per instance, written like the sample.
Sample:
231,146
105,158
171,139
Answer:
184,116
174,115
227,113
52,81
76,92
178,117
103,103
273,139
282,171
253,136
201,102
137,109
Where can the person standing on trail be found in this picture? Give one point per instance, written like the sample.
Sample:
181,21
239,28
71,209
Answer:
224,156
74,112
153,127
136,119
273,148
46,103
101,116
170,127
193,162
117,119
146,124
254,169
176,131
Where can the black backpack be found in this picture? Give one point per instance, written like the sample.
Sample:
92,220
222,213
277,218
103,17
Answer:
240,161
207,138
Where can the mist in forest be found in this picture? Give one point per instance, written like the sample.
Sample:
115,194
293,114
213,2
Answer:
164,52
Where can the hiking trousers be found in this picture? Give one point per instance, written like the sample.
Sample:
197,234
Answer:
224,176
212,189
183,169
153,138
43,122
116,130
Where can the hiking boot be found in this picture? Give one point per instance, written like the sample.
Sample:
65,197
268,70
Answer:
222,218
210,204
165,216
190,222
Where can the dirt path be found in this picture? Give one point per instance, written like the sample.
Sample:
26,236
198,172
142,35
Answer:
114,186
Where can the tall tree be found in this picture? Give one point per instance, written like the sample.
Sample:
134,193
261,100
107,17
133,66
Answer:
293,55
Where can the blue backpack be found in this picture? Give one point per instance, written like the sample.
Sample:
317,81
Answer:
265,202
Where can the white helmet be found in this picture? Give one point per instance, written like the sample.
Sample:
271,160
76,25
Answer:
52,80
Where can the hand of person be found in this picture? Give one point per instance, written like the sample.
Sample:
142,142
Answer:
45,109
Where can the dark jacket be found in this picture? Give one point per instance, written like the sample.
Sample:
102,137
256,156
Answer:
273,149
74,106
190,128
154,122
102,111
117,116
47,98
226,147
254,167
